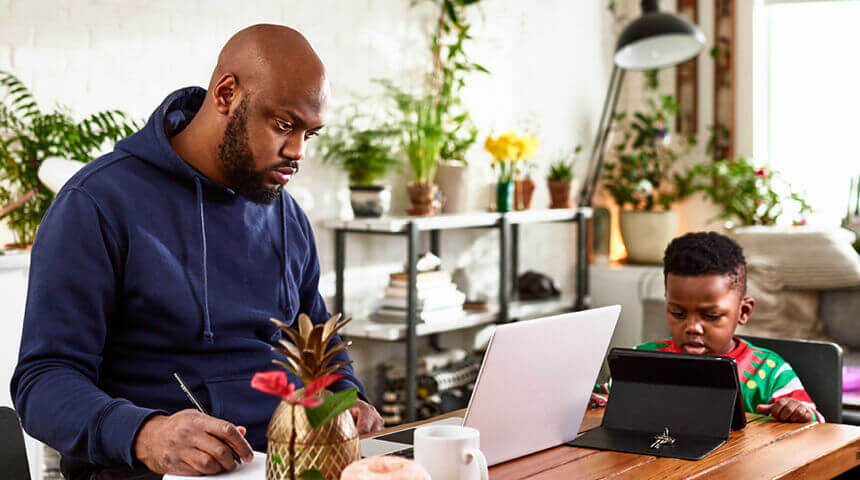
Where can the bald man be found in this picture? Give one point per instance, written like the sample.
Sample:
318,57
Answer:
169,255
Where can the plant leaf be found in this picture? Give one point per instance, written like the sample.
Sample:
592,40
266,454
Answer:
332,406
312,474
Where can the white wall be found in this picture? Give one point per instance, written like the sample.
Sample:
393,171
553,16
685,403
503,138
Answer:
550,61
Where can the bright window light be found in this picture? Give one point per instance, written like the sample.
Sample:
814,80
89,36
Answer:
807,95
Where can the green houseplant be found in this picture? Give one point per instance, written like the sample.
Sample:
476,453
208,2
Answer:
559,180
367,155
746,194
434,123
29,135
642,179
421,139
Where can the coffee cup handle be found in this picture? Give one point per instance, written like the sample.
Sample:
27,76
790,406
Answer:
479,457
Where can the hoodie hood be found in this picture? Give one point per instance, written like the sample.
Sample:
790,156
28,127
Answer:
152,143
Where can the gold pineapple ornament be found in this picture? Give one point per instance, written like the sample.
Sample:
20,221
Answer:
333,445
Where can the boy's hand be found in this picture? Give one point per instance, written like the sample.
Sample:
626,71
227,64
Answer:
788,410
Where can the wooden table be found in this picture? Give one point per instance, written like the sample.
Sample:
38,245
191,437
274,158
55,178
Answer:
765,449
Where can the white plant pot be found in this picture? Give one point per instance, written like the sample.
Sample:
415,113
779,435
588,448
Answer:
372,201
452,181
647,234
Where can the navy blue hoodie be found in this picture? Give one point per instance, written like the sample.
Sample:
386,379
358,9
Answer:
143,267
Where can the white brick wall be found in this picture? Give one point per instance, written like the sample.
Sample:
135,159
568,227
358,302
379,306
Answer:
550,61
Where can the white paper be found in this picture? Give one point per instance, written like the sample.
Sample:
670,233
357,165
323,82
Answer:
256,470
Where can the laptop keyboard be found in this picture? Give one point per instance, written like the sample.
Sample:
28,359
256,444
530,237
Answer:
405,453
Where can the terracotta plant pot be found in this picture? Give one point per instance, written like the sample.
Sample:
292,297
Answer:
452,181
334,446
559,193
370,201
423,197
523,192
18,246
646,234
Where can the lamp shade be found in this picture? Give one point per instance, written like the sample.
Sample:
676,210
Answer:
55,172
658,40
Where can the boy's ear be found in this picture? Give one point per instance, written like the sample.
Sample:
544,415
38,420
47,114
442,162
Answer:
747,306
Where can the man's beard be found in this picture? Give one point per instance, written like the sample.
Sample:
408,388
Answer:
237,161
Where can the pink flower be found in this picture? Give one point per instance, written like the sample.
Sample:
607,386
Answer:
763,172
275,383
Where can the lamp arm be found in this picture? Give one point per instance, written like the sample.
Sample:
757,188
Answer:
595,161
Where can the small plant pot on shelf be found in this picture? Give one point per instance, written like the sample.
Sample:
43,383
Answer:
17,246
646,234
560,193
423,197
523,192
370,201
452,181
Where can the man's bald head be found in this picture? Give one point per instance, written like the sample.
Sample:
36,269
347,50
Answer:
266,52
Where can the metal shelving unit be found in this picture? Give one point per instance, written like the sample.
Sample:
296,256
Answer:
508,309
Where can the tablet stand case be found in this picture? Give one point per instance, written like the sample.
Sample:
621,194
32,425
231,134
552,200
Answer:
695,396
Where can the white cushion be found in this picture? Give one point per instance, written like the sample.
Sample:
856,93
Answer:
808,258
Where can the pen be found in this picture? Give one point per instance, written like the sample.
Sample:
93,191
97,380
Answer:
202,410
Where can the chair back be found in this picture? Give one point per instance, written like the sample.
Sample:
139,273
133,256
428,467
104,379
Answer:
819,367
13,453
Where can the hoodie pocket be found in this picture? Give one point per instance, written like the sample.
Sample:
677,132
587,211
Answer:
235,401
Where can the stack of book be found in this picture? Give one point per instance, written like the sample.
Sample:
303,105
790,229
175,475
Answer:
438,299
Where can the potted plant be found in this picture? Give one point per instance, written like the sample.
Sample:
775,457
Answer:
642,181
367,155
559,180
508,150
28,136
421,138
451,66
434,124
746,194
524,185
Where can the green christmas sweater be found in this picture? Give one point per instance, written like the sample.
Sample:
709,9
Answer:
763,375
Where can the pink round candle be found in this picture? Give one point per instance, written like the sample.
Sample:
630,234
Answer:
384,468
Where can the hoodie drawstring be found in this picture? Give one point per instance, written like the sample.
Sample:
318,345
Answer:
208,335
284,246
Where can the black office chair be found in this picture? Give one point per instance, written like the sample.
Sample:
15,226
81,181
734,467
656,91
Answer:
13,454
819,366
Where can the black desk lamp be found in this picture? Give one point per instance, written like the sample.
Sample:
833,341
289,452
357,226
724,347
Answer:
654,40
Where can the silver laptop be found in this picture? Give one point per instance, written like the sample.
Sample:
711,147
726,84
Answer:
533,387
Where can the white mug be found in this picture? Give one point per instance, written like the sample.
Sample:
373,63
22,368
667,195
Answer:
450,452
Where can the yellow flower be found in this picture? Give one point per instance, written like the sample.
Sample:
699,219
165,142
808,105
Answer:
510,146
497,147
527,151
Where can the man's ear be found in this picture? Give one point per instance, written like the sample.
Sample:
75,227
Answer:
225,92
747,306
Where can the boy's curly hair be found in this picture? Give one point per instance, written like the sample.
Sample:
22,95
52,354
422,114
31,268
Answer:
706,253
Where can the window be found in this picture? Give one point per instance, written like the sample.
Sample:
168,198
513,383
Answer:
806,98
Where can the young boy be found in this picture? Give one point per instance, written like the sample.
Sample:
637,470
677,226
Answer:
705,278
